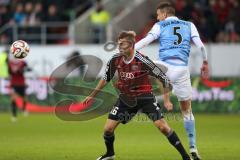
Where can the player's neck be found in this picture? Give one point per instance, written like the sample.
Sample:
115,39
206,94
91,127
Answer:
129,55
169,16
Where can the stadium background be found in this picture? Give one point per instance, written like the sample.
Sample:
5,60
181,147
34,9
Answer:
56,29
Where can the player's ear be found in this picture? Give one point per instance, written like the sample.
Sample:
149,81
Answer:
165,15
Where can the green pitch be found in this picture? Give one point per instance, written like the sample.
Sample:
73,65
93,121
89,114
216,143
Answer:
45,137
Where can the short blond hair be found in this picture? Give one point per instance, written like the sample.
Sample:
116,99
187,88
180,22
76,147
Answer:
130,35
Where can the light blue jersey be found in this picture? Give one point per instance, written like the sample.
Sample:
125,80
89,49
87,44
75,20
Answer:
175,39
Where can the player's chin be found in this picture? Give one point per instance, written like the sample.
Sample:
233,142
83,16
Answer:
122,52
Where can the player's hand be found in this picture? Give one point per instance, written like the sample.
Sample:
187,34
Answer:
205,70
168,105
87,100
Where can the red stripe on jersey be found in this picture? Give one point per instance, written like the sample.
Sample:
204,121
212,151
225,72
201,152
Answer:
133,77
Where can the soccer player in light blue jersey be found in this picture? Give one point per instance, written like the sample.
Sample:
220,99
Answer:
175,38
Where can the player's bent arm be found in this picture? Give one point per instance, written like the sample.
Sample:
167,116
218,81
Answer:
154,70
153,34
197,41
144,42
166,96
101,84
109,73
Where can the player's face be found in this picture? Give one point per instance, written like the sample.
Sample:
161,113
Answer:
161,15
125,46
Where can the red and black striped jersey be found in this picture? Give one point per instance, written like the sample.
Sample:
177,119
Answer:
16,70
133,76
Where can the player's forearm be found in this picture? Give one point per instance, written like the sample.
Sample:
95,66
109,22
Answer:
197,41
166,94
100,85
204,54
144,42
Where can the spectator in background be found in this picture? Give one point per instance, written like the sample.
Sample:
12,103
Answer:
233,24
37,16
222,36
188,10
53,15
4,39
5,19
19,15
99,19
28,10
5,15
81,6
4,2
221,8
211,20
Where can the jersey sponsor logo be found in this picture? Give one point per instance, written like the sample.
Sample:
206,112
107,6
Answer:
126,75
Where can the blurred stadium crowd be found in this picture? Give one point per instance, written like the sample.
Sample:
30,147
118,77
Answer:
36,11
31,13
216,20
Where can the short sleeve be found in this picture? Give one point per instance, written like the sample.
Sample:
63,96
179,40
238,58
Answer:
110,70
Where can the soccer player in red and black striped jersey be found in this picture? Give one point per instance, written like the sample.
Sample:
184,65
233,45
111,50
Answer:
133,83
17,83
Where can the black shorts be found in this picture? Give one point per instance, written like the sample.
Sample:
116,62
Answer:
20,90
123,112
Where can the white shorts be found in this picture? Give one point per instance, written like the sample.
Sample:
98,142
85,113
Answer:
179,77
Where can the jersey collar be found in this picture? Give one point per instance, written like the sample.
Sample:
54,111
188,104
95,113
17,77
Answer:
171,18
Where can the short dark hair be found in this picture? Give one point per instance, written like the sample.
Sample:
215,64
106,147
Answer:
167,7
130,35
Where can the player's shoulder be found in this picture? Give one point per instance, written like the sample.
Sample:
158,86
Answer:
116,56
187,22
140,56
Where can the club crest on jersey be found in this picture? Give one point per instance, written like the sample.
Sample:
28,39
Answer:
126,75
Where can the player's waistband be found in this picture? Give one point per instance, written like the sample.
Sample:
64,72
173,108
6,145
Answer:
174,61
146,95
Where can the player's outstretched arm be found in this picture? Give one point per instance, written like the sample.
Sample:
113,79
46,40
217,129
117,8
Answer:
108,75
151,36
158,73
101,84
144,42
